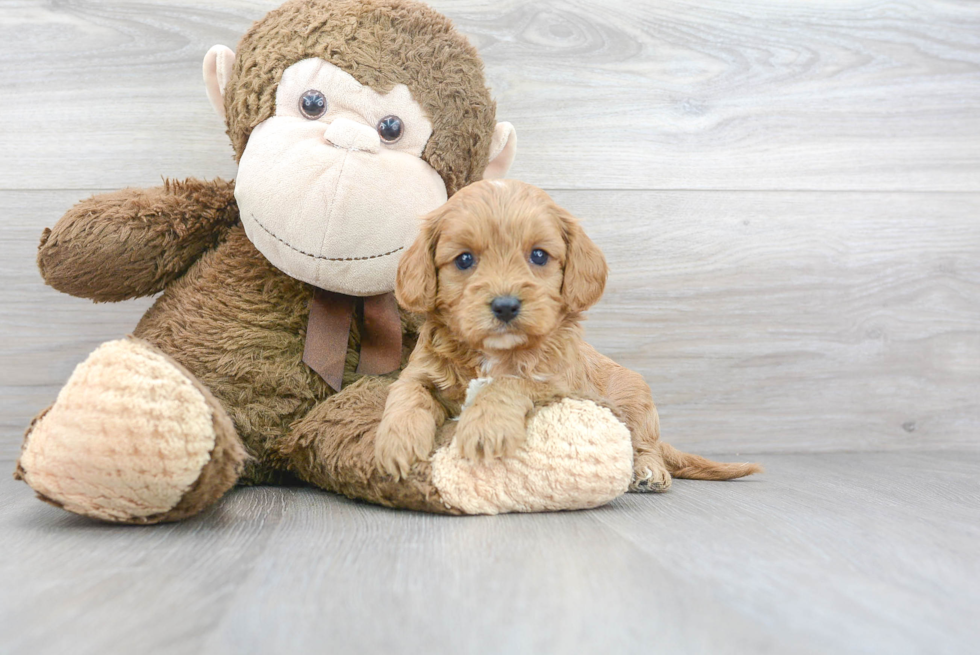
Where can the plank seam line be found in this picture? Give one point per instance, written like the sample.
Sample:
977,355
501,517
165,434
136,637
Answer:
595,190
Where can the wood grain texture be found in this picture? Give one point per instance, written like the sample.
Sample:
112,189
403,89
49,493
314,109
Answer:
763,322
795,321
616,94
832,553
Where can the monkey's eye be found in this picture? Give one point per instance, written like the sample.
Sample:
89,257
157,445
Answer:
313,104
390,129
539,257
465,261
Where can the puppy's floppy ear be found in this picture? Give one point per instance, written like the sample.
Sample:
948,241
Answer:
416,281
585,266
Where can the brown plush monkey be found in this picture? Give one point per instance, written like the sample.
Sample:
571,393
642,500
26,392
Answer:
268,354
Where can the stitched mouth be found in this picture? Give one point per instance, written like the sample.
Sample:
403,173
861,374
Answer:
320,257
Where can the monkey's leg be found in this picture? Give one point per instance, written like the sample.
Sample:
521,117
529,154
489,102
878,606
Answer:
577,455
132,438
333,447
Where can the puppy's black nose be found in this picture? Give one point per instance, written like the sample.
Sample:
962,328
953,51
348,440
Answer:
505,308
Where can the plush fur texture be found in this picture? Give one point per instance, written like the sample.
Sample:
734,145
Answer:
503,227
226,315
230,325
333,446
235,322
576,456
134,242
106,452
380,43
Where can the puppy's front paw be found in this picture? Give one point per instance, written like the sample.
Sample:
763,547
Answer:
402,440
484,434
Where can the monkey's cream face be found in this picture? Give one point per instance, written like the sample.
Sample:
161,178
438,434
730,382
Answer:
331,187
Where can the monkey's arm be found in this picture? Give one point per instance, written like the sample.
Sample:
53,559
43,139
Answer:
133,242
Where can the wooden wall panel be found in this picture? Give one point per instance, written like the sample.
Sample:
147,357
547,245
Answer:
613,94
777,321
787,193
795,321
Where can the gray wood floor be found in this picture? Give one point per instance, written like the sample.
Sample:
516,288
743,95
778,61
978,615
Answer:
789,198
826,553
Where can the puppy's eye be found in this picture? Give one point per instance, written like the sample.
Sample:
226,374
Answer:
465,261
313,104
539,257
390,129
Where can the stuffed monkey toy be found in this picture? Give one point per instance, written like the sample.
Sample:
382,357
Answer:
267,356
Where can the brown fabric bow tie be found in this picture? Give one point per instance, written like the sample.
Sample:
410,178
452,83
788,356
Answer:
328,331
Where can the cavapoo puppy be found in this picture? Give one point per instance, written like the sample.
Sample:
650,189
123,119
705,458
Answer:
503,275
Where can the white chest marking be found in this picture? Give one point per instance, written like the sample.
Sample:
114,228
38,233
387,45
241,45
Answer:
474,388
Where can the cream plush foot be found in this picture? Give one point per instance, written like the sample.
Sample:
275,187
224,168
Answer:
132,438
577,455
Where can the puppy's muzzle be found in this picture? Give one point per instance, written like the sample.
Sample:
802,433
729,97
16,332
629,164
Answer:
505,308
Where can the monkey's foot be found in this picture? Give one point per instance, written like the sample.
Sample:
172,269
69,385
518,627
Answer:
576,455
132,438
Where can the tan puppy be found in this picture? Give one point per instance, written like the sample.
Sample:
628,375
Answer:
503,275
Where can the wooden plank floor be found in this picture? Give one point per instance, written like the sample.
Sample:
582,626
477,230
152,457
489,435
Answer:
825,553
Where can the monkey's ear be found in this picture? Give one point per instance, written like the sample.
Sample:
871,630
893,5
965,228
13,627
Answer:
503,149
217,72
585,266
416,281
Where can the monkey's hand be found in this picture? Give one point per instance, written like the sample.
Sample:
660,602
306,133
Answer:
494,425
133,242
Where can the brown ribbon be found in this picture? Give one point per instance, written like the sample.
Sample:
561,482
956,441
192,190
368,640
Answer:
381,336
328,332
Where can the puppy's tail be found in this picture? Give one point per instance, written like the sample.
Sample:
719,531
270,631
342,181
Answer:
695,467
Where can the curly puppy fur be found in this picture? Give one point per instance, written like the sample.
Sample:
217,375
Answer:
533,357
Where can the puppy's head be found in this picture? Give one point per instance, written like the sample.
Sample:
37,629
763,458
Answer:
502,265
